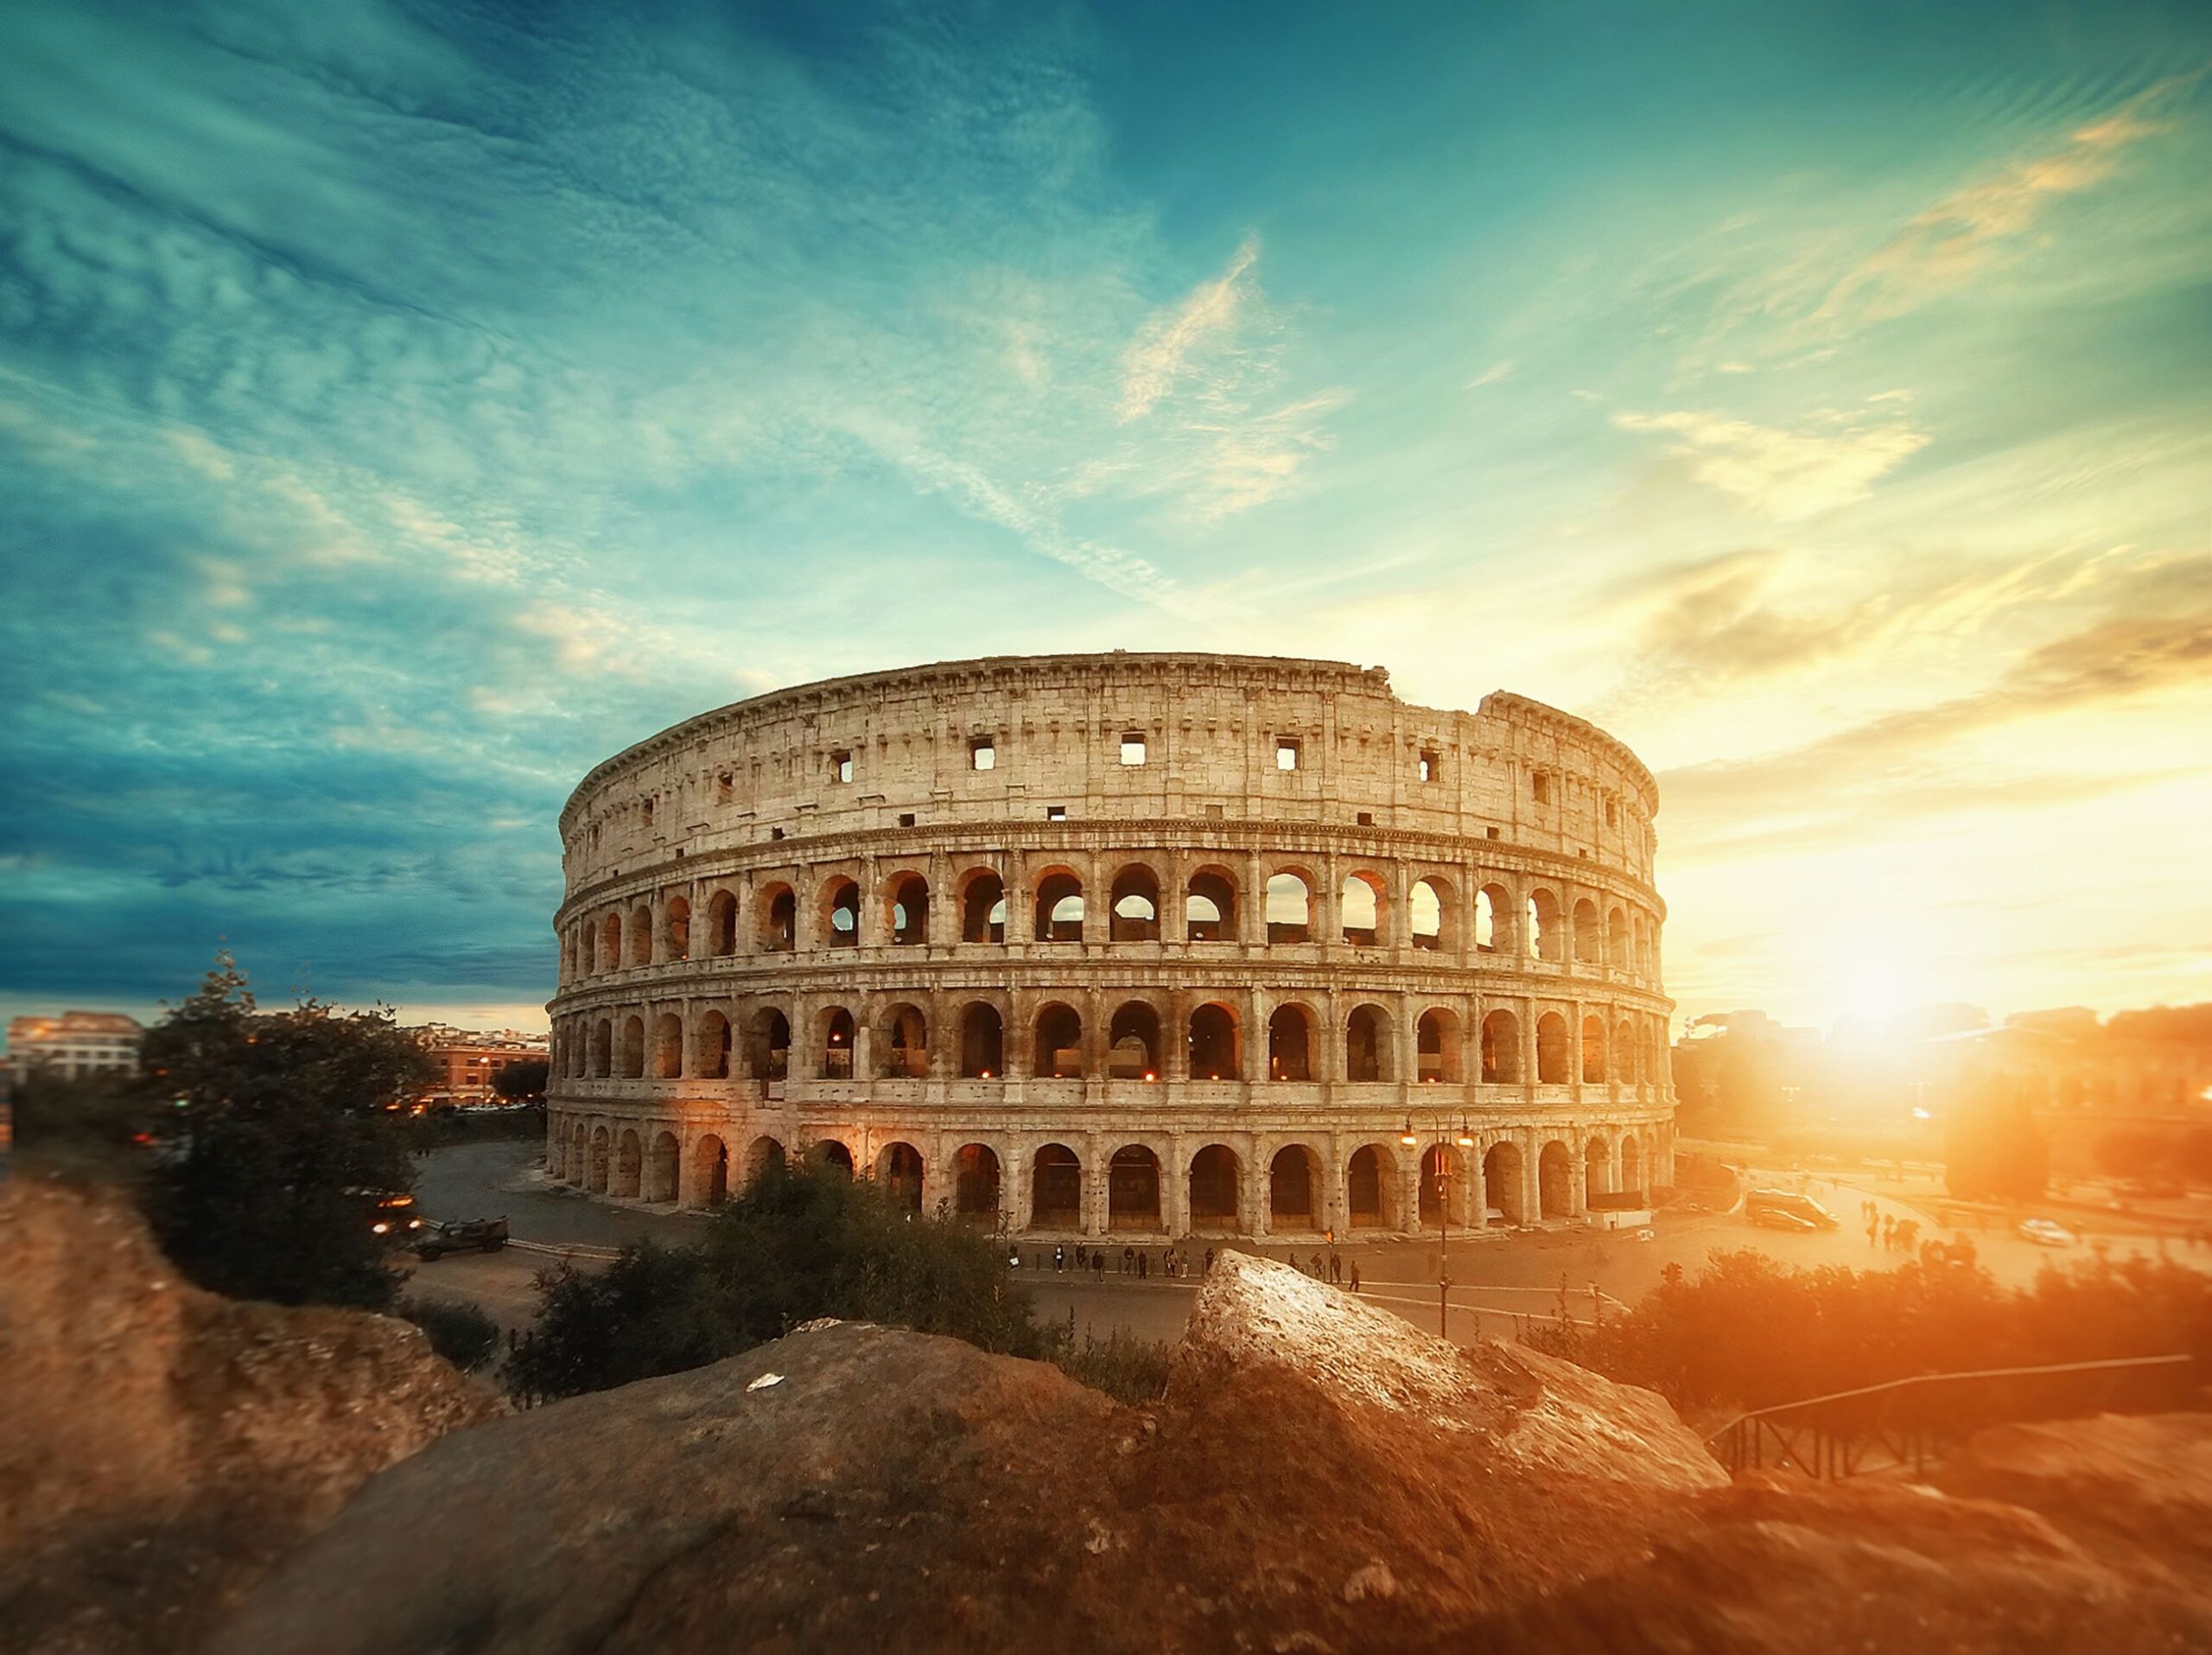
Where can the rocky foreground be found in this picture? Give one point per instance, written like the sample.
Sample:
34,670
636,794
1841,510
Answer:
1319,1477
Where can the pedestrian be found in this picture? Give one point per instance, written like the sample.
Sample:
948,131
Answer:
1318,1275
1144,1268
1209,1261
1059,1258
1336,1267
1889,1233
1355,1275
1098,1264
1129,1261
1873,1233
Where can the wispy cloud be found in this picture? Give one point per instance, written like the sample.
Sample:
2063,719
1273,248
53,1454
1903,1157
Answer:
1786,474
1170,344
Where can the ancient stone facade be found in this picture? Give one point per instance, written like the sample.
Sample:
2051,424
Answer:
1138,944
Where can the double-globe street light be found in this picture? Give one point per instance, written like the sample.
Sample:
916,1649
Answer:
1445,1168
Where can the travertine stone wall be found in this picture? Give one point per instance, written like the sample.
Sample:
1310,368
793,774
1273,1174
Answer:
1064,943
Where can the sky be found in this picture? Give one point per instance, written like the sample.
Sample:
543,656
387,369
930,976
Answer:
405,407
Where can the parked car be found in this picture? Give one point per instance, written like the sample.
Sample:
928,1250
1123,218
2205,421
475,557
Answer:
388,1212
1804,1207
461,1236
2046,1232
1780,1217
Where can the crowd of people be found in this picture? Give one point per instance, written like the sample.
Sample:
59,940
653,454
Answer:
1173,1263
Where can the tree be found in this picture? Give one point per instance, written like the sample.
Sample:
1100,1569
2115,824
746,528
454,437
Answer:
276,1144
521,1081
800,1243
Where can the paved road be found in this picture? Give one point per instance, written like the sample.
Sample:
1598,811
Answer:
1495,1278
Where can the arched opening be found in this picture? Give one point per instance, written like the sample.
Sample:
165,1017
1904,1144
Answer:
982,1040
586,949
899,1169
1055,1188
1551,1049
1213,1044
770,1052
1428,914
1631,1165
1217,1179
1436,1045
1617,946
634,1048
1624,1054
1501,1049
1290,1044
832,1153
603,1049
1059,907
841,914
610,942
836,1044
579,1156
1494,920
1597,1167
975,1183
1136,906
1132,1189
1367,1044
668,1046
1502,1185
721,924
1290,908
1369,1200
764,1154
1440,1186
778,919
1293,1189
711,1047
710,1172
909,911
906,1044
676,930
1585,933
1210,908
641,935
982,908
1133,1043
661,1168
1545,941
1364,909
1059,1051
1593,1050
629,1166
1555,1181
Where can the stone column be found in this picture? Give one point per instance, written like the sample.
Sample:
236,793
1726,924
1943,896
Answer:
1175,1038
1252,910
1255,1193
1409,1187
1097,902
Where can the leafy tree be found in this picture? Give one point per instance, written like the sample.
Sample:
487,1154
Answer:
800,1243
274,1142
521,1081
461,1334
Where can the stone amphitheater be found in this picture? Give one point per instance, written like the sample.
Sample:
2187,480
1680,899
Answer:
1147,944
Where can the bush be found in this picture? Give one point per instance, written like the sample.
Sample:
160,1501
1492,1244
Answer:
1126,1368
461,1334
801,1242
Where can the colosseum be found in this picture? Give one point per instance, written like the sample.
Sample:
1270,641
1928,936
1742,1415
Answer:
1153,945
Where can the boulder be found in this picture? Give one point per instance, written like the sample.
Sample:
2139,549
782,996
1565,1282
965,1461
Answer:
162,1445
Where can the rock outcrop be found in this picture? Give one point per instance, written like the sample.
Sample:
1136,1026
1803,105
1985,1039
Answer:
160,1446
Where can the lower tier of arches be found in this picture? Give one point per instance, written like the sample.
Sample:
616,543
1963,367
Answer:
1341,1178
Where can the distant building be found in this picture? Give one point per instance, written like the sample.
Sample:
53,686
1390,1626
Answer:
76,1045
469,1058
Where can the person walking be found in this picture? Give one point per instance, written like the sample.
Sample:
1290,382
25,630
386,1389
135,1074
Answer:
1336,1267
1209,1261
1144,1261
1059,1258
1098,1264
1355,1275
1129,1261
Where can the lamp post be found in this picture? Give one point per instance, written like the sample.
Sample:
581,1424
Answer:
1465,1139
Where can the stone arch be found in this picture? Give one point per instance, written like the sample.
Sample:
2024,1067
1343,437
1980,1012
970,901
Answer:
721,924
663,1167
1059,906
764,1154
1437,1045
1545,934
1289,905
1210,905
1132,1189
1618,954
1552,1065
579,1156
1369,1048
1632,1163
711,1047
1217,1185
1442,1188
640,935
1057,1051
610,943
982,1040
676,930
1625,1052
898,1171
1587,941
1371,1188
768,1044
1294,1188
602,1048
838,921
634,1048
1593,1050
1364,909
834,1042
975,1183
629,1165
1430,914
903,1042
1290,1042
1055,1188
1494,920
668,1046
834,1155
1132,905
1597,1165
1503,1184
1555,1180
776,918
709,1171
1213,1043
1133,1042
906,910
982,907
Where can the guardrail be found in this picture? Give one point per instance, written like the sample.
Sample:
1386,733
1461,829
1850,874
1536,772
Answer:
1862,1425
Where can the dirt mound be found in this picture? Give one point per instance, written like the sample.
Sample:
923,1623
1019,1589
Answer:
162,1445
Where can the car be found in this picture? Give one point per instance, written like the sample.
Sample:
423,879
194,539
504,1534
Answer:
2046,1232
460,1236
1780,1217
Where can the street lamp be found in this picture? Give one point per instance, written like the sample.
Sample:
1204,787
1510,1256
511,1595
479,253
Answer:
1464,1140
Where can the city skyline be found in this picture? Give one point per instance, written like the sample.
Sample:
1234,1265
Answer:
401,412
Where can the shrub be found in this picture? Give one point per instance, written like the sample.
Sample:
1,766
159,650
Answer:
1126,1368
461,1334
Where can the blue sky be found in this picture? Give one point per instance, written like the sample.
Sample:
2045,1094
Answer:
402,408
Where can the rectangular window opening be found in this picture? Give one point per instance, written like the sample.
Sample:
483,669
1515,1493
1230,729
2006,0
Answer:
841,764
775,833
1285,753
1132,746
906,820
1540,785
1432,766
1056,812
1367,818
983,753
